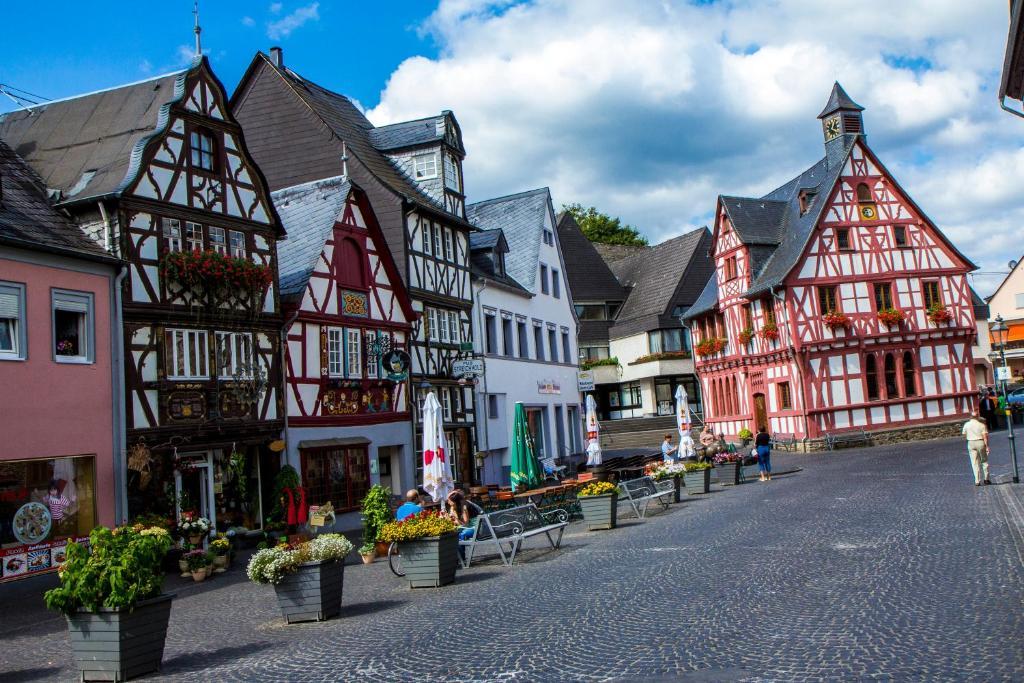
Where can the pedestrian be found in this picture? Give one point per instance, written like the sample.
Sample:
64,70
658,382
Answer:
763,444
410,507
987,408
976,434
667,449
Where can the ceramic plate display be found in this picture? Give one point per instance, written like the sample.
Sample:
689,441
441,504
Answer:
32,523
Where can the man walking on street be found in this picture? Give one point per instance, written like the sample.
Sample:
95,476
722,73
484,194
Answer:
977,447
988,410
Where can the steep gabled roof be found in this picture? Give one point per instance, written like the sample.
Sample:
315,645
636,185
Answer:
91,146
488,239
707,301
308,212
483,267
408,133
28,220
757,221
590,278
521,217
839,100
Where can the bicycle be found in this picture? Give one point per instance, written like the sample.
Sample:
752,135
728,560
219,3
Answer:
395,559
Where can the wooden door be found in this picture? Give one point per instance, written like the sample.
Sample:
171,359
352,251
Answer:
760,413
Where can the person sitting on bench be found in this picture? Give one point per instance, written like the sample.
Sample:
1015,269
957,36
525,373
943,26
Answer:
410,507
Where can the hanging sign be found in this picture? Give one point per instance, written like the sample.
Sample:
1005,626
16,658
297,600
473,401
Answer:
1003,374
464,368
396,365
585,380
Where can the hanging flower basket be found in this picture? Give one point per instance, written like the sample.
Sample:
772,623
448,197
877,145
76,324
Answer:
836,320
769,332
709,347
216,273
939,314
745,336
891,316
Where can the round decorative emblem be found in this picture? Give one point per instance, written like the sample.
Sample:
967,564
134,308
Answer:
32,523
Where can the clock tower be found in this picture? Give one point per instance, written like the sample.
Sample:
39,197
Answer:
840,118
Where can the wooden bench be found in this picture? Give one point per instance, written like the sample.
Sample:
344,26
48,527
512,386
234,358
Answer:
641,491
783,442
847,438
511,527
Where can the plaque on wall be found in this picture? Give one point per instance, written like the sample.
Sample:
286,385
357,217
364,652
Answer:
186,405
354,304
341,402
231,407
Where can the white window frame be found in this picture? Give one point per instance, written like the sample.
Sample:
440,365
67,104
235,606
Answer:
437,240
353,353
428,247
219,240
191,339
335,352
449,249
432,324
452,180
442,321
81,304
446,404
194,235
172,234
453,327
372,366
236,244
239,353
424,166
12,303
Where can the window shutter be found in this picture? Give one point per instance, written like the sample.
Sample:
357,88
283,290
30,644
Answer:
73,304
9,305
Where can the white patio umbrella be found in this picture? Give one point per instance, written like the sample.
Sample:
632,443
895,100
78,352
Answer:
437,471
686,448
593,433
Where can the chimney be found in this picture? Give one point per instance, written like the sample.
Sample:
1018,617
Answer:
277,57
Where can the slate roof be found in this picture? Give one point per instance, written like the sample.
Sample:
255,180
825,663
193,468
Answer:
521,217
981,309
485,239
1012,82
616,252
838,100
408,133
28,220
308,213
480,262
590,278
90,146
757,221
707,301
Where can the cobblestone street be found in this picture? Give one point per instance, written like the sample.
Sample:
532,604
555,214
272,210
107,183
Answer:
882,563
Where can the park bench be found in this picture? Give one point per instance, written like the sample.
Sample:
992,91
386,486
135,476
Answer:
510,527
641,491
783,442
847,438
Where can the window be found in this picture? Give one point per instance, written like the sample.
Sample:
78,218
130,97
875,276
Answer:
218,241
508,345
335,353
654,342
748,317
843,239
234,355
72,326
864,193
827,300
543,279
437,240
172,234
909,377
446,404
899,235
553,346
448,251
490,333
492,406
891,389
538,341
432,324
237,244
785,399
442,324
549,238
768,310
866,202
186,355
12,321
202,150
1020,300
931,294
883,296
566,350
354,353
453,327
193,236
871,376
556,284
350,264
424,166
427,248
372,362
730,268
591,312
593,353
524,347
451,173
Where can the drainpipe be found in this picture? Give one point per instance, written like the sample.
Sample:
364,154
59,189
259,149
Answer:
117,387
108,237
483,413
284,376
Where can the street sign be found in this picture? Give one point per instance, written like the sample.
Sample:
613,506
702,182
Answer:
585,380
465,346
464,368
1003,374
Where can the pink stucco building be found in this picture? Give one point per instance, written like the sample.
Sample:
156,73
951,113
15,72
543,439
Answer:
60,420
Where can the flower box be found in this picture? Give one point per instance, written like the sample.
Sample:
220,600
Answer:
431,561
710,347
890,316
698,482
836,321
769,332
600,512
728,472
939,314
119,644
313,592
746,336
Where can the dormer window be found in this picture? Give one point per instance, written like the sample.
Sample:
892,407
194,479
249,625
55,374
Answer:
452,179
424,166
499,262
806,198
202,150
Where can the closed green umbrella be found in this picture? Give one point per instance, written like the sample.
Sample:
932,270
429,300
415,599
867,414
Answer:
526,468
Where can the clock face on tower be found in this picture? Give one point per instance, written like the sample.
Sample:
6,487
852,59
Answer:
832,128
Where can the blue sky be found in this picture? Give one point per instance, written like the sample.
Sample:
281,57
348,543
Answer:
648,110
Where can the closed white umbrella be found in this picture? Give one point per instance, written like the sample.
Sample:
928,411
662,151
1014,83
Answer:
437,471
593,433
686,448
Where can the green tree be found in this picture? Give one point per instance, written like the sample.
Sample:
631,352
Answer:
604,229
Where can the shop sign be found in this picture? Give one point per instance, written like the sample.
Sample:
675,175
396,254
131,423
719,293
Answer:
585,380
29,560
464,368
396,365
1003,374
548,386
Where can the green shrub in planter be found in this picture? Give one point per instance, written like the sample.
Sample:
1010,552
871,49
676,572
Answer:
698,477
308,578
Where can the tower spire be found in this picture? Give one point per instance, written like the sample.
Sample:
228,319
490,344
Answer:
197,30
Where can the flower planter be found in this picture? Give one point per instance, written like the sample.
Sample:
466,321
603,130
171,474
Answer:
220,564
430,562
115,645
195,539
728,472
381,548
600,512
183,567
368,558
313,593
199,575
697,482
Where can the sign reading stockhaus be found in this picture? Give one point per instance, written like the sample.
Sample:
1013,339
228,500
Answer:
462,368
585,380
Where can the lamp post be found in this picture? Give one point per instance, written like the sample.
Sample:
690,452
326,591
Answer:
999,329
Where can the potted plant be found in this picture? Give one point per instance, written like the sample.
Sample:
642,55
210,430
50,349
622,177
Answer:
197,561
194,529
599,504
770,331
697,477
368,551
110,593
307,577
836,320
429,546
890,317
376,513
746,335
728,466
939,314
670,470
745,435
221,548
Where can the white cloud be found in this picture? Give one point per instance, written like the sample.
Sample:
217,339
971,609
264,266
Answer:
248,21
282,28
650,110
146,66
275,7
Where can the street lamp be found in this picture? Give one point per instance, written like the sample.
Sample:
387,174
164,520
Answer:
1000,330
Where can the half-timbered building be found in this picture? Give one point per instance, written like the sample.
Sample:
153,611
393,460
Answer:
158,173
412,173
348,314
836,303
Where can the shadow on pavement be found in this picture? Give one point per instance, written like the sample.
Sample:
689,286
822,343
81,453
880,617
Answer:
360,608
193,661
39,674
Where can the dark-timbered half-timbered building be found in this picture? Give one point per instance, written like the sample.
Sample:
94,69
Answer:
158,173
412,173
347,314
836,304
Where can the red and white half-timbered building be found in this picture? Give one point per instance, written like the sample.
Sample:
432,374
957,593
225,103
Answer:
349,321
836,303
